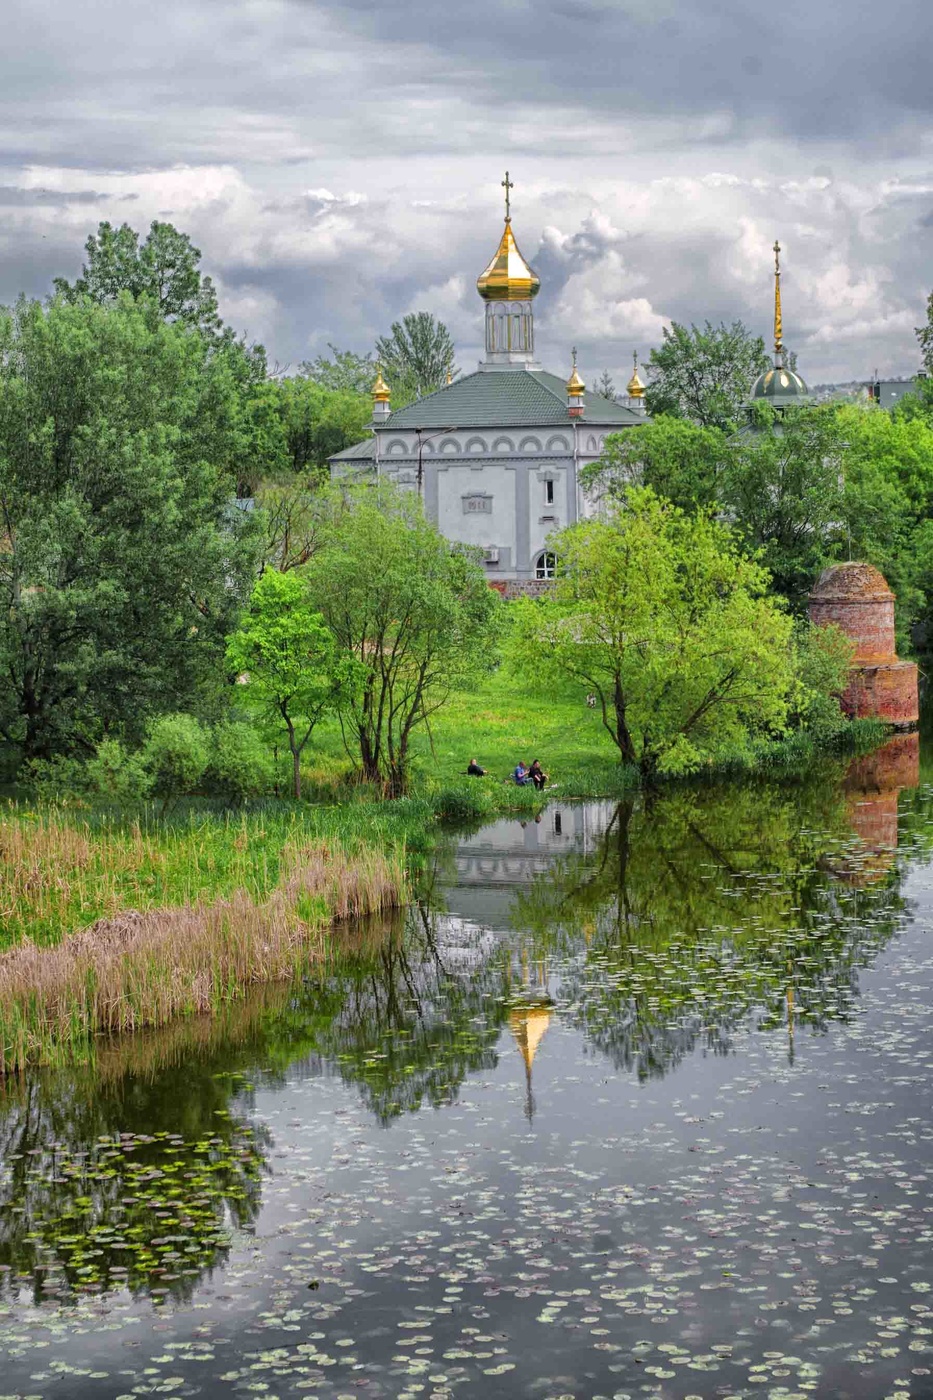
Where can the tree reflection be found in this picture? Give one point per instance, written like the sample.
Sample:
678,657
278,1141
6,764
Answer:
703,905
122,1179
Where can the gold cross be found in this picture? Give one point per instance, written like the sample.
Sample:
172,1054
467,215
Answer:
507,185
777,253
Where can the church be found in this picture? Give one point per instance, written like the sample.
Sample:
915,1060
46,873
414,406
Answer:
497,454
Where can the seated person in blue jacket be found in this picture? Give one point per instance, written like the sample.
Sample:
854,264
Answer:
522,775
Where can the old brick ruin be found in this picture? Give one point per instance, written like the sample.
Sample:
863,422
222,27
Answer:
857,599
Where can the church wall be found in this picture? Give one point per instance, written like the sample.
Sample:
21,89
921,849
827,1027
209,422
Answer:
488,487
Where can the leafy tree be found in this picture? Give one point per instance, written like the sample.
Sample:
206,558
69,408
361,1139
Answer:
416,357
319,421
605,387
343,372
659,615
705,374
680,461
163,267
925,338
888,502
176,754
414,610
289,659
240,765
783,490
122,564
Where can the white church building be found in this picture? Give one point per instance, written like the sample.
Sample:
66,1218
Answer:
497,454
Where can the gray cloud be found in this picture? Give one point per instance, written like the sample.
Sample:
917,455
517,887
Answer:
338,162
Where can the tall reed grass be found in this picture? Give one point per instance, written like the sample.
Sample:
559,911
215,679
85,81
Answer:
139,969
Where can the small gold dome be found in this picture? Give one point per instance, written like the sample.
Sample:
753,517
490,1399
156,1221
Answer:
380,390
508,277
575,386
635,388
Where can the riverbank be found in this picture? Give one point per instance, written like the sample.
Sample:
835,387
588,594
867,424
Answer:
193,916
114,920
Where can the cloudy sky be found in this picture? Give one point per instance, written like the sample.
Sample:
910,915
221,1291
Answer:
338,162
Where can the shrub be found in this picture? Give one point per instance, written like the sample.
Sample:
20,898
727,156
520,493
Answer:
240,766
52,779
116,774
461,805
176,754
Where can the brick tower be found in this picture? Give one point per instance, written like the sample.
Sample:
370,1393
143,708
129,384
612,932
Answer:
858,600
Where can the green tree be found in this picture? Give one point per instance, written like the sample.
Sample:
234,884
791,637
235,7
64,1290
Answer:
122,564
705,374
605,387
659,615
416,357
176,754
680,461
782,487
343,372
415,611
925,338
289,661
164,267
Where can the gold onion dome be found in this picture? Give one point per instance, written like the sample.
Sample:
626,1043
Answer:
575,386
380,390
635,388
508,277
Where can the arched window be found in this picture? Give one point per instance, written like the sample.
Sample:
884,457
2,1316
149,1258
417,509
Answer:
545,565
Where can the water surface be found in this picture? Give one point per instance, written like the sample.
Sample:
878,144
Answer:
635,1101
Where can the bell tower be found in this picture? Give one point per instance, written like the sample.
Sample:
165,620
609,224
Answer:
508,286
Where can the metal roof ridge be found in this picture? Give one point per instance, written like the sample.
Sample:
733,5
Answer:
546,387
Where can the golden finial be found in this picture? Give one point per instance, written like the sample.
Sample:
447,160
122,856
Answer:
778,327
380,390
635,388
508,277
575,385
450,378
508,185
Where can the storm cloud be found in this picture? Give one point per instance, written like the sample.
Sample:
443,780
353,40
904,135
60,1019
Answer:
338,163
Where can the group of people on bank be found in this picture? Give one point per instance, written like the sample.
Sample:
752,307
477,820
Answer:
531,775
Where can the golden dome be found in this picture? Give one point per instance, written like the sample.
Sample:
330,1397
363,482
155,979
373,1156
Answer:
575,386
635,388
508,277
380,390
528,1023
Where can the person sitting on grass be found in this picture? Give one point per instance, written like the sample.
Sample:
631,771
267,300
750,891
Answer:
521,775
474,769
537,776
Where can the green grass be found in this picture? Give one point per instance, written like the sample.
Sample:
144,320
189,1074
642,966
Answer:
64,868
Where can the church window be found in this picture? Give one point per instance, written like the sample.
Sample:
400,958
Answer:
549,492
545,565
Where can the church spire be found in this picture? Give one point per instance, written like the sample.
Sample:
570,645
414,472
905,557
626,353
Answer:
778,326
507,285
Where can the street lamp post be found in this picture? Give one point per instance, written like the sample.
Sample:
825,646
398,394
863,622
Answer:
421,441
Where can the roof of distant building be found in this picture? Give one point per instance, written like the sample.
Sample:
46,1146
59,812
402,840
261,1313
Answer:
359,452
516,398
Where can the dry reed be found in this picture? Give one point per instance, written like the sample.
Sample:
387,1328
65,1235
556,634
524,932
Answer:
141,969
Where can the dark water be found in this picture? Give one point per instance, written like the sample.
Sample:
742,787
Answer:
635,1102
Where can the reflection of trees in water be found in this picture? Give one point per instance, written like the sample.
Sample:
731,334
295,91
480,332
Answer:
124,1180
701,905
132,1172
417,1011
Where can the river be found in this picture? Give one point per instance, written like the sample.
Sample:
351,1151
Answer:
633,1101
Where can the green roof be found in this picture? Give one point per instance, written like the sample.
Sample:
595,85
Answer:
515,398
780,385
359,452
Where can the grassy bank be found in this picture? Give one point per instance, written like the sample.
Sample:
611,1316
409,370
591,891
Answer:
142,968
